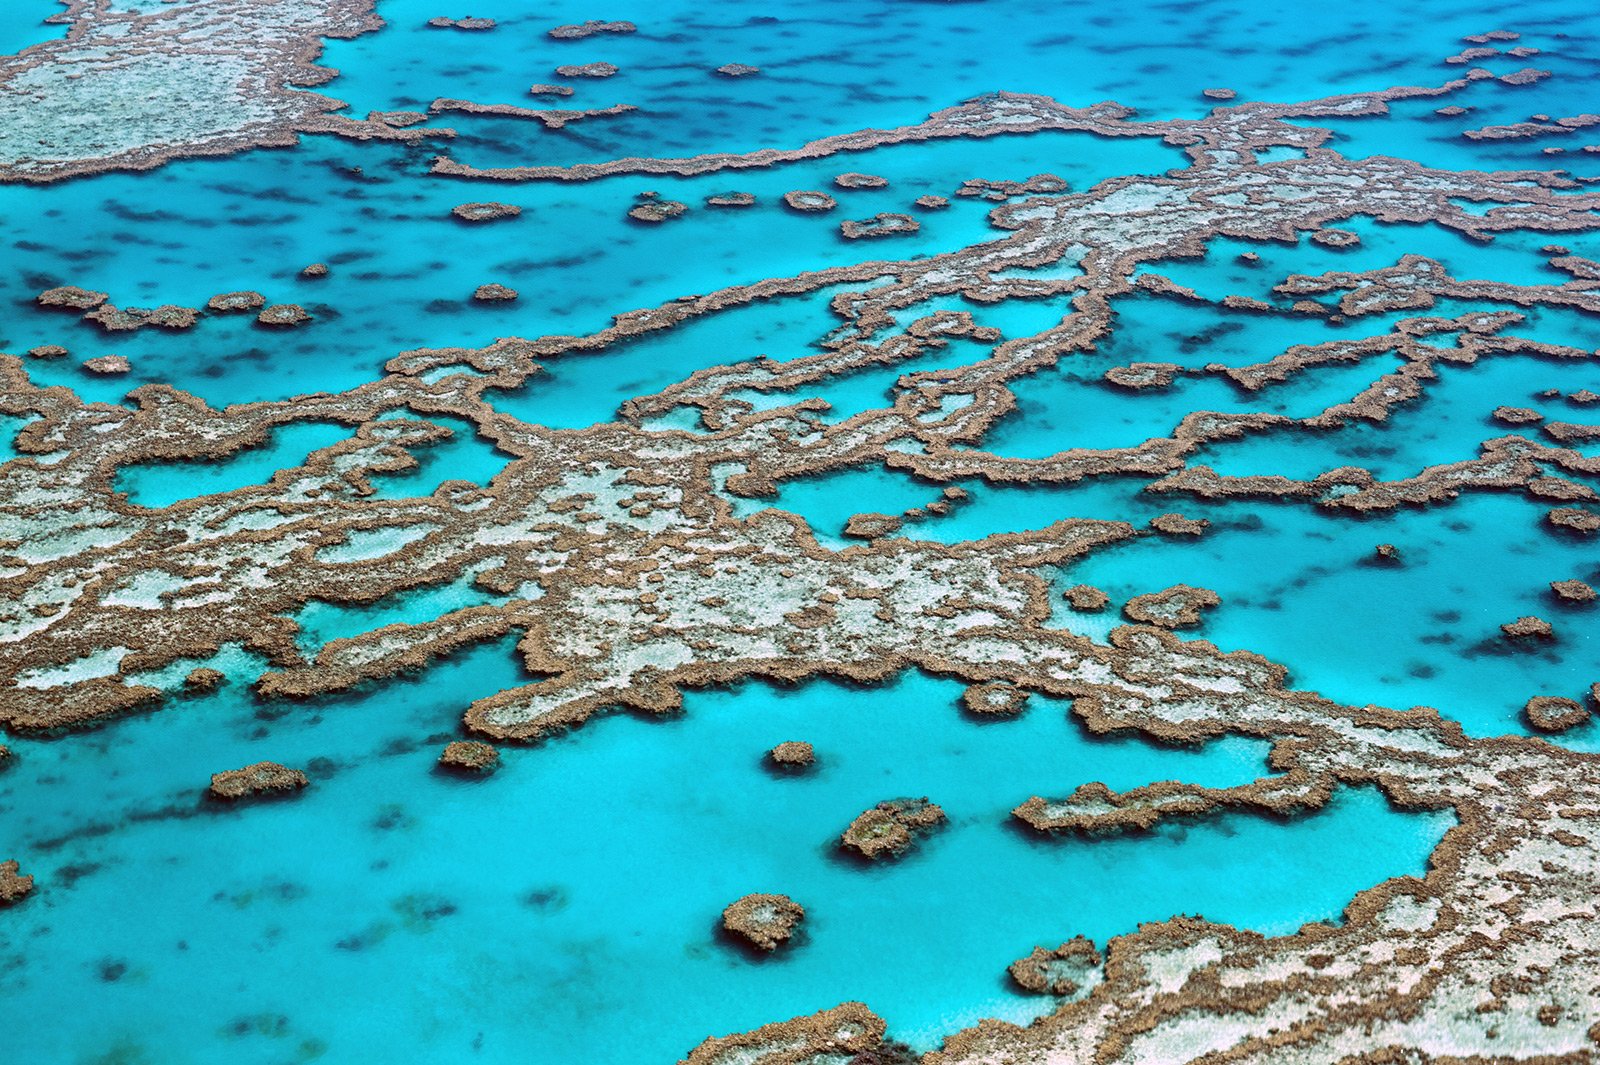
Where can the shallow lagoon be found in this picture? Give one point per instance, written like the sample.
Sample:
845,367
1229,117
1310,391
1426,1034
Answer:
573,895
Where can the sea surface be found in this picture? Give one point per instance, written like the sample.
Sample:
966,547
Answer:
565,909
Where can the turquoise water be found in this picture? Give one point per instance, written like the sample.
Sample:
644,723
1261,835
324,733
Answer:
564,909
160,484
22,24
534,901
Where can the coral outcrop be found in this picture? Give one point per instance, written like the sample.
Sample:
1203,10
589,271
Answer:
469,757
262,780
766,922
889,829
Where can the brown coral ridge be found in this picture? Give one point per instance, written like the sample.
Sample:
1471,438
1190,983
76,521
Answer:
203,679
260,781
127,319
764,922
882,224
282,316
1086,598
485,212
792,756
1173,524
1177,607
1551,713
551,118
470,22
889,829
809,200
71,297
587,70
236,302
855,180
1064,971
268,50
1573,591
469,758
995,699
1140,375
847,1029
14,887
1528,628
108,364
581,30
652,208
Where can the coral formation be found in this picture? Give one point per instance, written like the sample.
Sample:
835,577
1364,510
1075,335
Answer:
792,754
766,922
882,224
283,315
809,200
1174,608
1063,971
261,780
469,756
14,887
485,212
890,828
1551,713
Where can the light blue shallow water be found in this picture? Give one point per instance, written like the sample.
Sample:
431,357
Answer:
571,898
564,909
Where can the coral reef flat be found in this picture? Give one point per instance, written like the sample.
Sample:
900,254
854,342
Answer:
871,534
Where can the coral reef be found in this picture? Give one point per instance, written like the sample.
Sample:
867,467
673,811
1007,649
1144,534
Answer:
766,922
235,302
468,23
1086,597
1573,591
591,28
587,70
485,212
108,364
652,208
1551,713
283,315
999,698
1063,971
890,828
1174,608
211,79
471,757
14,887
882,224
71,297
1526,628
839,1034
809,200
855,180
792,754
261,780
